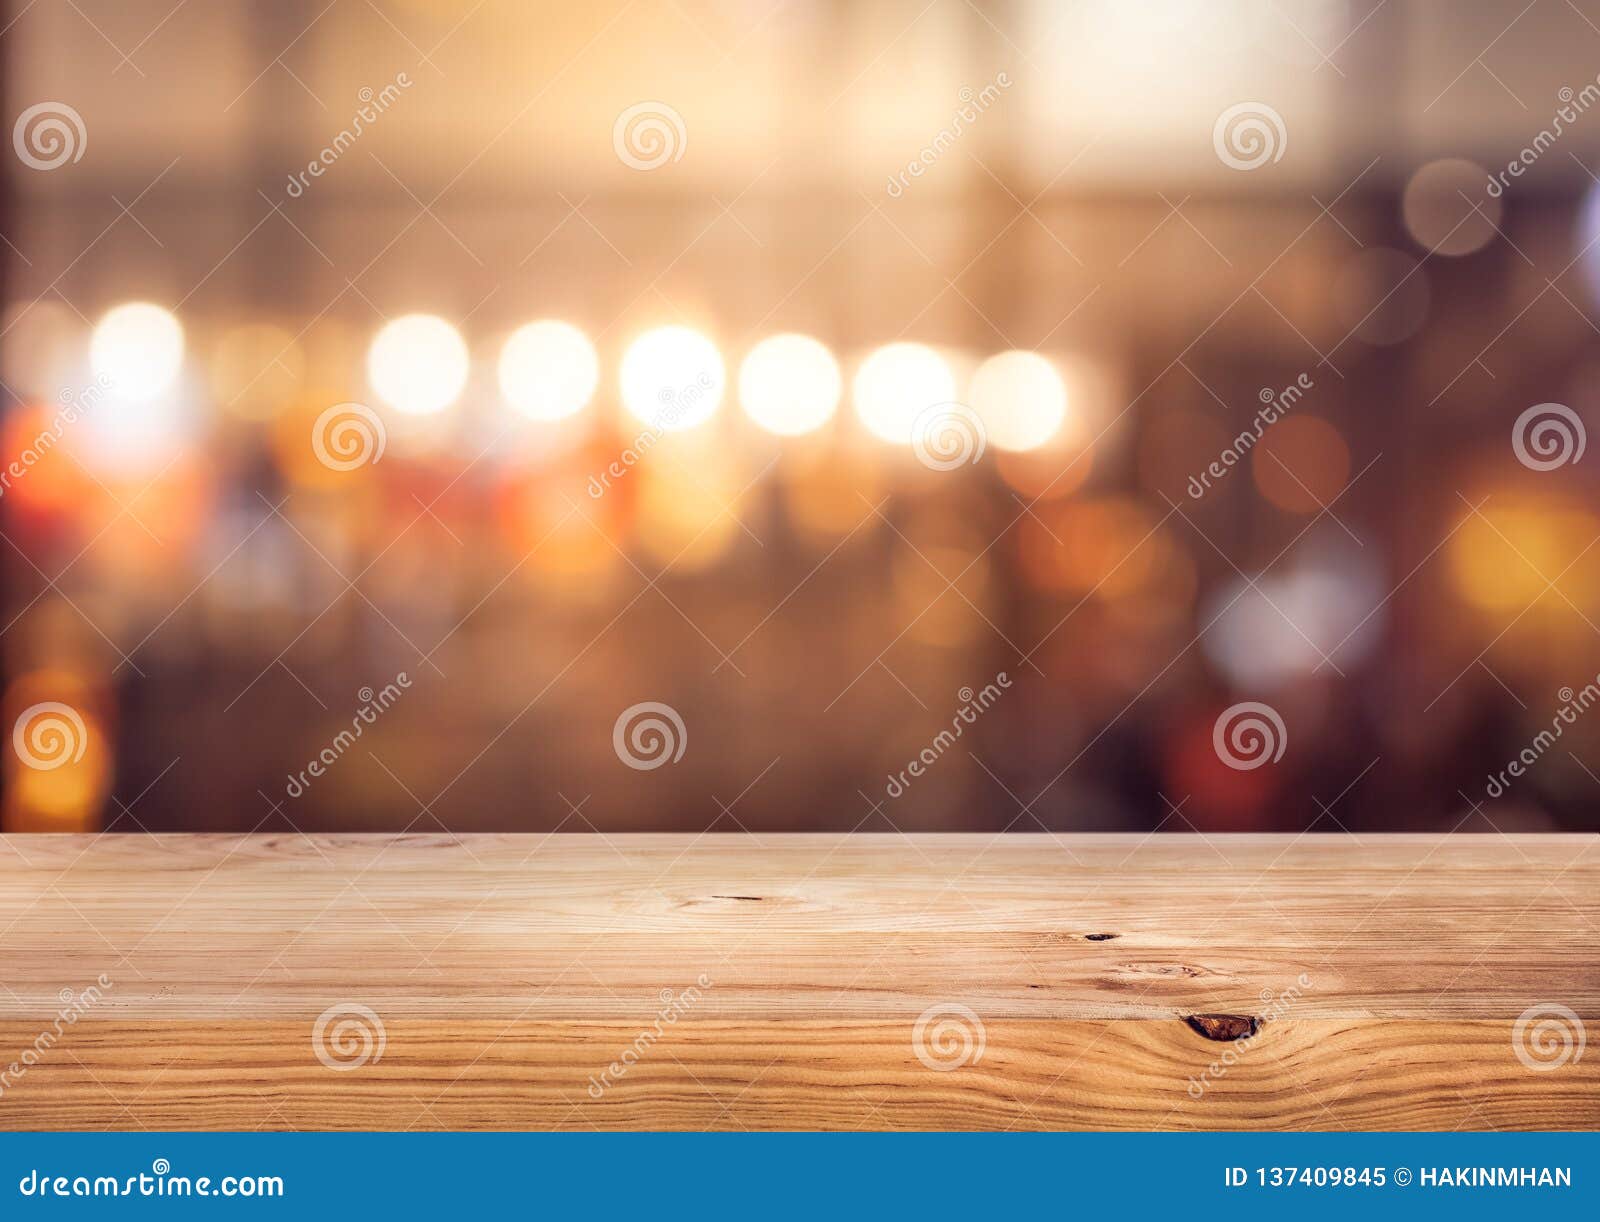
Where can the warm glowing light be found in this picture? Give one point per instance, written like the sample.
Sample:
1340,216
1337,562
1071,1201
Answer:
1301,464
1020,398
790,384
1116,550
256,369
672,379
418,364
822,493
57,763
896,384
137,350
548,370
684,517
1045,475
1499,552
569,551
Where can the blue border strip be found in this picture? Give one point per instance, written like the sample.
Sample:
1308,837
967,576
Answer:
789,1175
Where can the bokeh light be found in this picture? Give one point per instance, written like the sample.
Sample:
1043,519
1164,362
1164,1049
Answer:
1503,553
56,712
548,370
567,549
1448,209
418,364
832,498
256,369
137,348
1047,474
896,384
1113,548
1327,607
688,516
628,407
1020,398
672,379
790,384
1301,464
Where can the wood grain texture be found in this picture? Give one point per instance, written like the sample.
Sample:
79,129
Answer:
779,981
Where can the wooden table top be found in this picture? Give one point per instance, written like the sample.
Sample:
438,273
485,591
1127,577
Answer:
783,981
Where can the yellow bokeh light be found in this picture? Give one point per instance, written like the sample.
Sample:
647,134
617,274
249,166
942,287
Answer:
1020,398
896,384
256,370
687,512
790,384
1502,555
58,756
672,379
418,364
548,370
137,350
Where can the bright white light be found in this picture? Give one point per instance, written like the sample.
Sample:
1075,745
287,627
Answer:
789,384
548,370
137,348
1020,398
672,379
896,384
418,364
1335,596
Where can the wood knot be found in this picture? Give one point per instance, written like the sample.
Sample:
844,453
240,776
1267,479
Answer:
1225,1027
1100,937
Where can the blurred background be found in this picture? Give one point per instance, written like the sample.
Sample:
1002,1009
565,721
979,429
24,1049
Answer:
399,393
